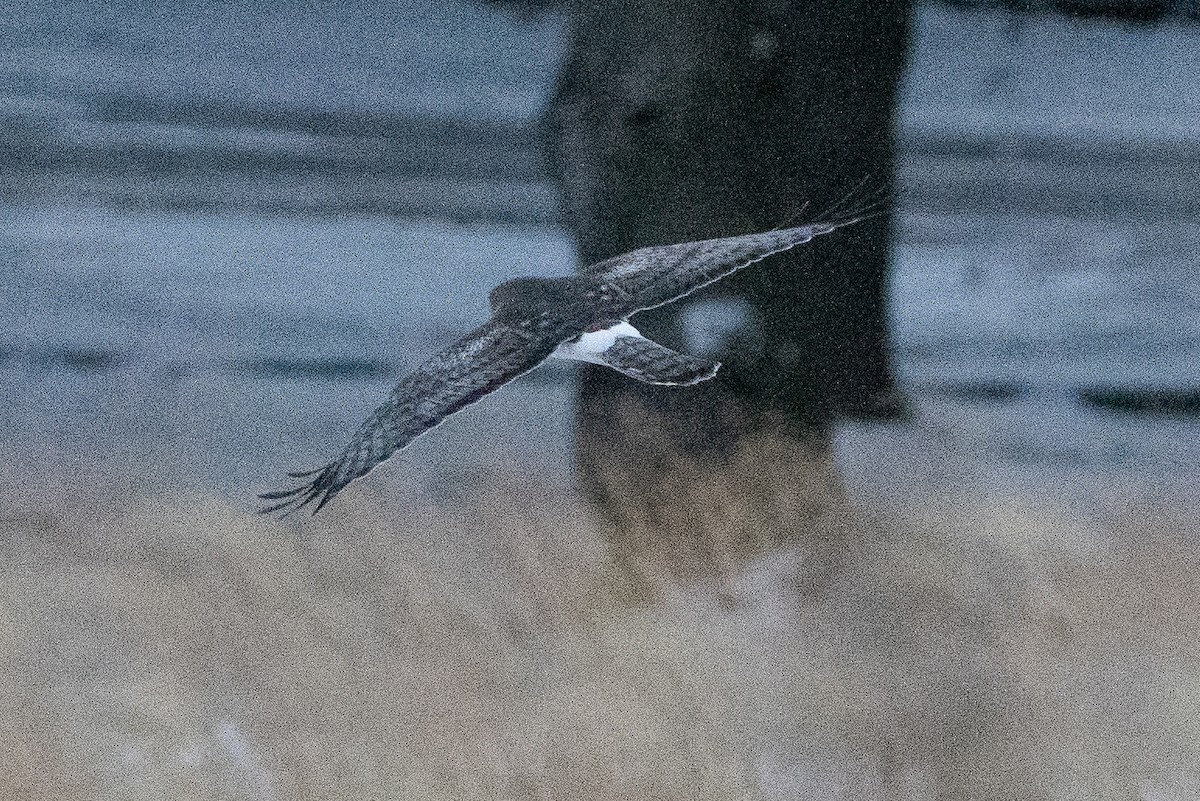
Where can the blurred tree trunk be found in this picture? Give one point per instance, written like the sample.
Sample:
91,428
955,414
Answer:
680,120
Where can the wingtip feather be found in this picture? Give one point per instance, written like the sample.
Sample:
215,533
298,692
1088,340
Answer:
322,486
306,473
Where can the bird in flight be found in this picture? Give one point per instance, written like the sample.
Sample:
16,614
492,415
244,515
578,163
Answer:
584,317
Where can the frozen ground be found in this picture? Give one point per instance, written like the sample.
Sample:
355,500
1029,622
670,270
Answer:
426,109
981,72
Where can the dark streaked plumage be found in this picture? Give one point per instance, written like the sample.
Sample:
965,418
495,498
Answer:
649,362
655,276
582,317
479,363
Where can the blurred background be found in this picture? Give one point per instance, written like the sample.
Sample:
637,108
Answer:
228,228
216,209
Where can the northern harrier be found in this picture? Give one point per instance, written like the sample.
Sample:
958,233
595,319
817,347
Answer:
584,317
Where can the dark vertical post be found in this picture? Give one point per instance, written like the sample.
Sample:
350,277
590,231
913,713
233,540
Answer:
685,119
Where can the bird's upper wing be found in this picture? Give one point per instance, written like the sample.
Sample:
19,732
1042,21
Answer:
650,277
479,363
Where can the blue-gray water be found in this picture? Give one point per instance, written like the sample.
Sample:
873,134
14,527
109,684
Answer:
225,345
224,232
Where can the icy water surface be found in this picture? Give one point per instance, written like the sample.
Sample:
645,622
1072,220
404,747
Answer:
230,344
216,249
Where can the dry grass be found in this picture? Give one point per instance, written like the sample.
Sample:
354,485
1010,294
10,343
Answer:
167,646
724,513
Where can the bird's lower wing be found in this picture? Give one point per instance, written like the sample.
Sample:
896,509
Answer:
476,365
650,277
651,363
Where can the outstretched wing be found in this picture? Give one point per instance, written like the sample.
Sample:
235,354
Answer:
651,363
654,276
479,363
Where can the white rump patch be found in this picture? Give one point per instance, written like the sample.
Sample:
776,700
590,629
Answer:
591,344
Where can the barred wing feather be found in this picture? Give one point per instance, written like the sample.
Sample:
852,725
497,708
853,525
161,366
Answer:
654,276
476,365
651,363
